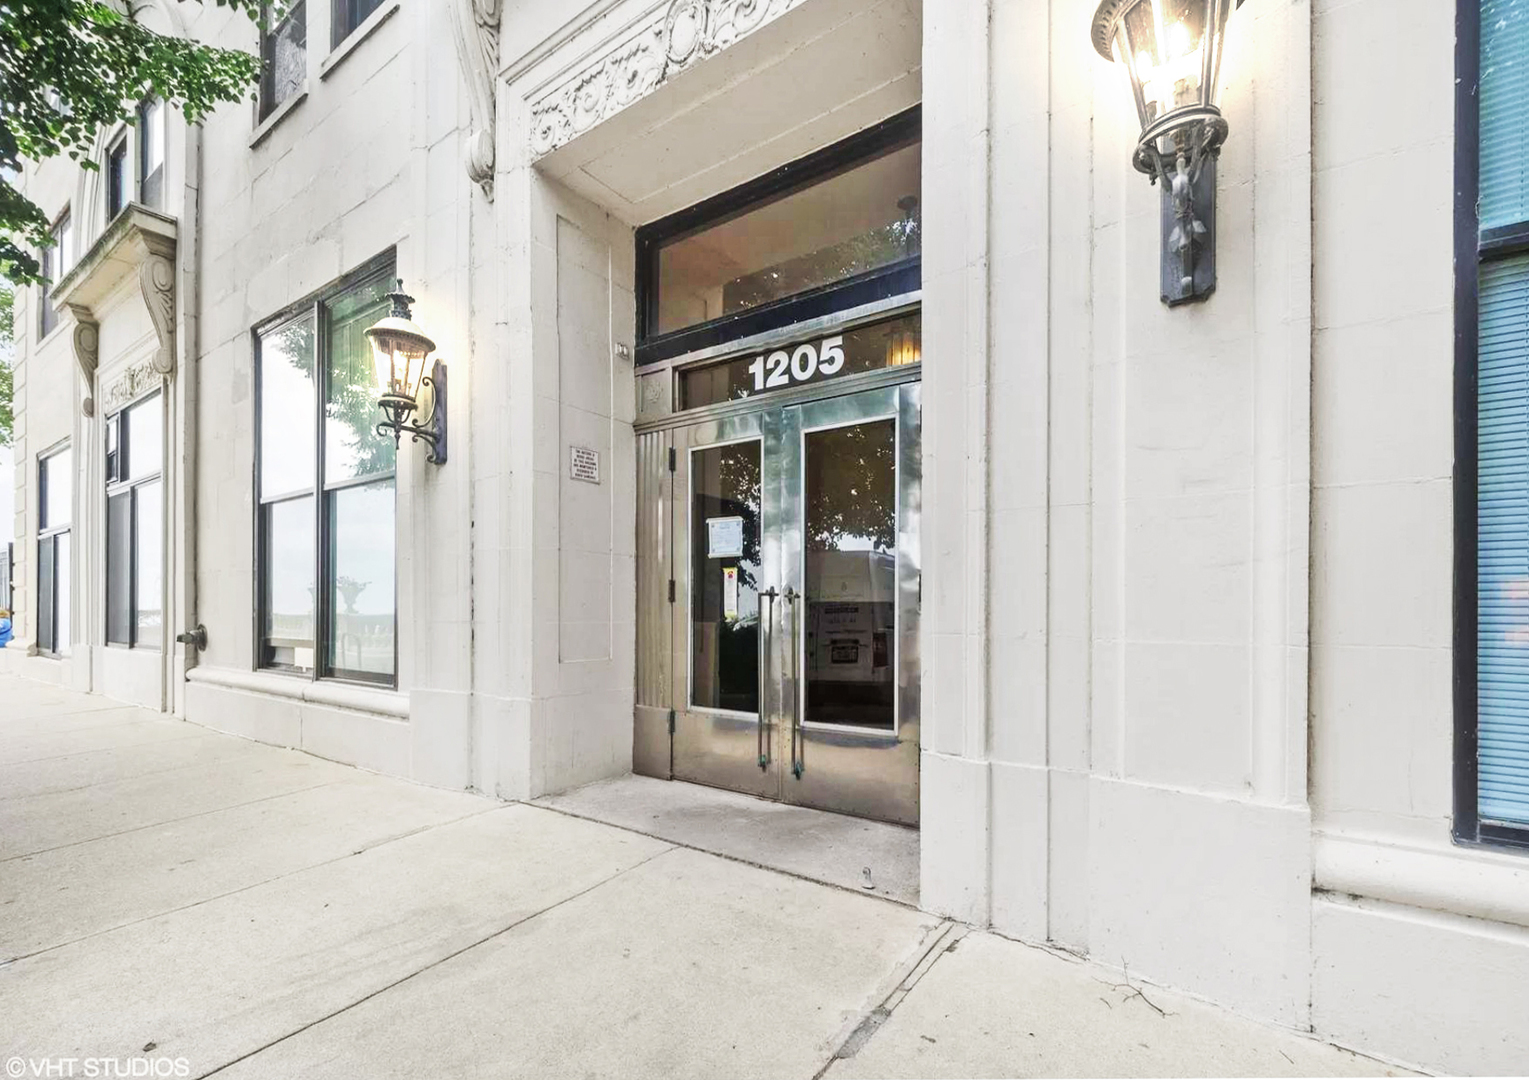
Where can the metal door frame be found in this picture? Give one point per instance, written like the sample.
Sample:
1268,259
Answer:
898,394
872,795
699,734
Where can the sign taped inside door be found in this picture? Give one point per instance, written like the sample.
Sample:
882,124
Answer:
730,593
724,537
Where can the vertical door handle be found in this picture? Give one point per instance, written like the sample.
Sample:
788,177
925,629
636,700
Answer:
765,633
798,744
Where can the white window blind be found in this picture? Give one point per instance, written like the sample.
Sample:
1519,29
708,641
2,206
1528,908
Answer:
1504,191
1502,529
1502,554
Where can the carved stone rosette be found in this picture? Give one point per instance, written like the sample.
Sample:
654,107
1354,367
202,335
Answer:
642,60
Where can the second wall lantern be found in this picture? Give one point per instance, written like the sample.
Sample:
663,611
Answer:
1172,52
401,352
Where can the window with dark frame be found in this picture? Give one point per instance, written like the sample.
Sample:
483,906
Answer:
54,263
1492,423
347,15
116,178
135,525
283,54
151,153
325,491
55,515
835,230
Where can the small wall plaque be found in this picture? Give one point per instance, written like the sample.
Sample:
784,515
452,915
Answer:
584,464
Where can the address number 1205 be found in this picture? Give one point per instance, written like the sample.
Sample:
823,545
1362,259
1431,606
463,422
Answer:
782,367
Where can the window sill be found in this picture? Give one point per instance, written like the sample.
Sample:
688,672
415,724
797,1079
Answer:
1477,882
277,115
367,27
387,703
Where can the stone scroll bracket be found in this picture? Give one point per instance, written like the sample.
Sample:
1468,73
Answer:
156,280
139,243
476,23
87,355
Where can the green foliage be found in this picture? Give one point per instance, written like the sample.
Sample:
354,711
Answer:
71,67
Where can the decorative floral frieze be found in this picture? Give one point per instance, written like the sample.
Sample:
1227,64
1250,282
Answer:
641,60
133,383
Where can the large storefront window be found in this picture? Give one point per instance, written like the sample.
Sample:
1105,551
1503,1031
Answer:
135,525
832,231
55,514
1492,507
326,493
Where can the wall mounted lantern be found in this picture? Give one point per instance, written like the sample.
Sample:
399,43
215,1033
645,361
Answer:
1172,51
400,351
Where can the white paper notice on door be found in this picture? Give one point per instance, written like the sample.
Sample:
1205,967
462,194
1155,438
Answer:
730,593
724,537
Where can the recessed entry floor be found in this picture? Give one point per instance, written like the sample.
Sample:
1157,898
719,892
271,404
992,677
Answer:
853,853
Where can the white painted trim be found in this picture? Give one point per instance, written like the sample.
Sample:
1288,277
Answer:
277,115
365,30
1474,882
337,695
512,69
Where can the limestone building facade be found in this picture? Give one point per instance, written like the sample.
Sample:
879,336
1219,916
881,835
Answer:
1153,620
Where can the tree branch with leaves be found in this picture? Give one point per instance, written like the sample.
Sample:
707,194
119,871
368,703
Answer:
71,67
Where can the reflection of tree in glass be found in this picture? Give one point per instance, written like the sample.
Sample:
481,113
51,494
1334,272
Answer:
294,343
738,475
354,404
352,398
851,487
871,250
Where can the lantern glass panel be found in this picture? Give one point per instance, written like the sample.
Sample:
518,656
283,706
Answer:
400,361
416,370
1164,47
382,362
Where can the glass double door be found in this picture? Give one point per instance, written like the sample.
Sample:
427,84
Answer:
796,566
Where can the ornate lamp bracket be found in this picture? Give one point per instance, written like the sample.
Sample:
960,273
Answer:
430,429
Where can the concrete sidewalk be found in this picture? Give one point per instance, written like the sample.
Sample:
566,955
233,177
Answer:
169,892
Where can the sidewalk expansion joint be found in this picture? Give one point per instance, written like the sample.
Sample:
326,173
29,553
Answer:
172,821
720,854
941,940
363,999
372,846
119,780
193,732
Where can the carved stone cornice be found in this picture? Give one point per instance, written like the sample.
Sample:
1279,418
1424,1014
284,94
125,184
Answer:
139,244
477,36
640,60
